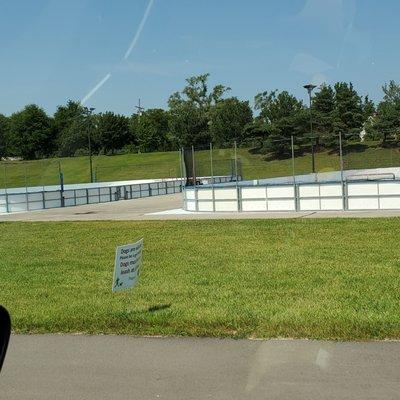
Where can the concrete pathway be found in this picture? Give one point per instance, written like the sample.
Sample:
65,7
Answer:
164,208
48,367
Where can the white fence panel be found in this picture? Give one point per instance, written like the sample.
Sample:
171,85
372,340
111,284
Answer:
225,194
254,193
363,203
331,204
226,206
254,205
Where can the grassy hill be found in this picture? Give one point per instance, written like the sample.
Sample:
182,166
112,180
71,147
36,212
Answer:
167,165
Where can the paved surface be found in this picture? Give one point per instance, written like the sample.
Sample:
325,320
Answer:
120,367
144,209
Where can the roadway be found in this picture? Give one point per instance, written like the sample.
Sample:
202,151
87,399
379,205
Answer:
62,367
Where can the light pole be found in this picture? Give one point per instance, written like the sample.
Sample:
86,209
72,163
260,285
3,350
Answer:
310,87
140,110
90,111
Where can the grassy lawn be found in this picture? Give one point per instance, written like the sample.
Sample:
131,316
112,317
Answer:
166,165
332,279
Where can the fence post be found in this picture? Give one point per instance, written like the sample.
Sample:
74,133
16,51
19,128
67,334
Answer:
239,205
61,176
344,186
341,156
180,169
295,188
194,180
293,162
26,191
5,187
212,176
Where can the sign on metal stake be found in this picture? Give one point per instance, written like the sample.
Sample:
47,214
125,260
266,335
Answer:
128,260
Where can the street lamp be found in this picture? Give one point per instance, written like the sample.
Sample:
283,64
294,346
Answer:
90,111
310,87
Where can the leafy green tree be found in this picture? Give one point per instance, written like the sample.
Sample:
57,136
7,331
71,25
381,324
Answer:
152,131
349,114
190,111
274,106
228,119
283,116
31,135
70,123
4,128
368,108
112,131
188,125
323,107
386,124
391,92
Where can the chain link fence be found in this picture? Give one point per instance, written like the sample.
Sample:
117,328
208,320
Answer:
24,174
254,159
320,158
78,170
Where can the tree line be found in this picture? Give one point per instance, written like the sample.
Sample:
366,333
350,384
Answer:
199,115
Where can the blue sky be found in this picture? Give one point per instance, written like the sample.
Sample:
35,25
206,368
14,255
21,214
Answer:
53,50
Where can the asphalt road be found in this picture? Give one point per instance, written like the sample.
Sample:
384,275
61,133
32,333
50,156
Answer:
154,208
121,367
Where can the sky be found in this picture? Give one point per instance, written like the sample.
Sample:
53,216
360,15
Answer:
108,54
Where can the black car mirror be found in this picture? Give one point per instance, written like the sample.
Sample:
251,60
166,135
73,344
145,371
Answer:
5,331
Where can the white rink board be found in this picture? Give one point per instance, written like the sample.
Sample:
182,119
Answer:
225,194
254,193
254,205
335,196
281,205
226,206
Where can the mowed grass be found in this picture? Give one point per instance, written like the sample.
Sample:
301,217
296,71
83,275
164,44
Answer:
167,165
331,278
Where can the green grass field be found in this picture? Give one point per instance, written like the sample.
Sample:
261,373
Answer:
331,279
167,165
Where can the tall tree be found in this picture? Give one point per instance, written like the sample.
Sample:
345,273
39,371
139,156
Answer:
70,122
323,107
368,108
190,110
4,127
152,130
386,124
112,131
228,119
348,114
31,133
274,106
283,116
188,125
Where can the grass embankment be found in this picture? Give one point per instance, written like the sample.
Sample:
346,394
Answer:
331,279
166,165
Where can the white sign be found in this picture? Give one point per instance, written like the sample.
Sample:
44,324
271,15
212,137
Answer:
128,260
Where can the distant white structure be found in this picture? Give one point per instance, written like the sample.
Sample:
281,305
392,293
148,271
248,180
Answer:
11,159
363,133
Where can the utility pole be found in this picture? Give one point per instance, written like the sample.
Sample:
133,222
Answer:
310,87
140,110
89,129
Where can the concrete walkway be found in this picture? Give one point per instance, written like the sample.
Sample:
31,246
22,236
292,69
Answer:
157,207
48,367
